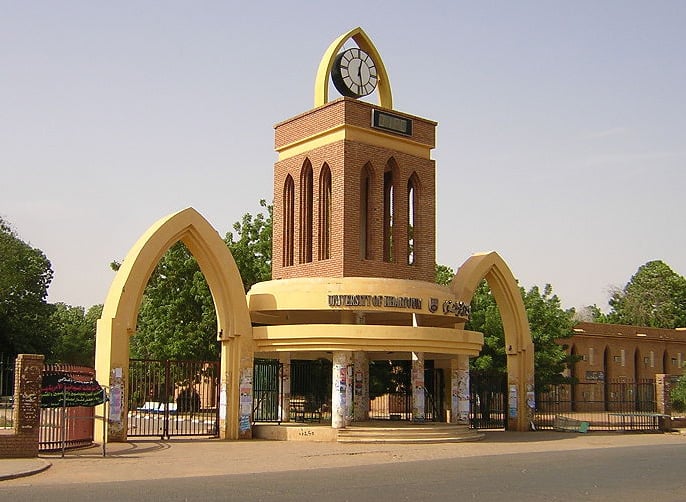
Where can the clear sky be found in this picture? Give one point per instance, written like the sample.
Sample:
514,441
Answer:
561,140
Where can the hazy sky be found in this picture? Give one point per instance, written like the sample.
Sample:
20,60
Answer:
561,140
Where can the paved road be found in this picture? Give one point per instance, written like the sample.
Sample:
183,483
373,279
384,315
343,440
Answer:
613,468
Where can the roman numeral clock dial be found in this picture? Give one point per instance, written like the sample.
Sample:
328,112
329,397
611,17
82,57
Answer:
354,73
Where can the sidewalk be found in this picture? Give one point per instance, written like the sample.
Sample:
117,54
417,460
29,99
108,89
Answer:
154,459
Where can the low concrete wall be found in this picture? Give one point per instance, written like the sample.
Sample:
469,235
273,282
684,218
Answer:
295,432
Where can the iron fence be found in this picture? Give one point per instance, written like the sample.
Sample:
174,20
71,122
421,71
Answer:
6,391
267,395
67,427
487,401
615,405
173,398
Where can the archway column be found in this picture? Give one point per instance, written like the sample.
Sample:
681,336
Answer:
459,390
418,392
120,313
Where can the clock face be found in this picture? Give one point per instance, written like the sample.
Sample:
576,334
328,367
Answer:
354,73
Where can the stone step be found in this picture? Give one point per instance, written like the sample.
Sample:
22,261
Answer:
409,433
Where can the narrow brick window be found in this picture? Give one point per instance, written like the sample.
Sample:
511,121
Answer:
306,213
325,213
388,210
288,220
366,213
412,223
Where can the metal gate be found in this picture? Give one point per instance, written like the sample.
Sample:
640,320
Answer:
173,398
267,398
487,395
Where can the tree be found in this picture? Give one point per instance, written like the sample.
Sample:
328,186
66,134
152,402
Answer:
73,331
177,319
548,322
655,297
252,250
444,274
25,275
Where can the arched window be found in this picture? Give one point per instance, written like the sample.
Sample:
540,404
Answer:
288,220
389,177
325,213
412,220
306,213
366,213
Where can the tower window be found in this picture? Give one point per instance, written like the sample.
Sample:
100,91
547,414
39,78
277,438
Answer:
388,214
306,213
325,213
288,220
365,213
412,205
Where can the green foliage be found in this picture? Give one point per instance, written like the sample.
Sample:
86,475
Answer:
177,319
548,323
25,275
444,274
73,332
252,246
655,297
678,395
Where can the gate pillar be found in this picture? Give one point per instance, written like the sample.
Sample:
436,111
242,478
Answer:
285,387
341,390
418,392
361,387
459,390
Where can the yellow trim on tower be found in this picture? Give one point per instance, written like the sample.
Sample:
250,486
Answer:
354,133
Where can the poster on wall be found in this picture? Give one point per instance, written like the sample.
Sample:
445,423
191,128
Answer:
512,401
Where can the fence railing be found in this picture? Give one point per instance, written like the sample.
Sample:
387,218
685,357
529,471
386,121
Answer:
67,427
608,406
6,391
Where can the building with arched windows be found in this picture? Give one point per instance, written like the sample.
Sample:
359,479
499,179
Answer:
618,351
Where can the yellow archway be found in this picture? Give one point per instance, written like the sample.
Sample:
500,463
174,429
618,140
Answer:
518,344
321,84
120,313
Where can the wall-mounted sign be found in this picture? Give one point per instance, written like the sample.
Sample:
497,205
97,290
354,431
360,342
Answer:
595,376
390,122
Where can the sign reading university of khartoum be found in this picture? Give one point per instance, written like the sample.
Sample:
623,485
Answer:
459,309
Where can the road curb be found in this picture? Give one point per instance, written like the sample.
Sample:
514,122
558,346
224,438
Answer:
23,468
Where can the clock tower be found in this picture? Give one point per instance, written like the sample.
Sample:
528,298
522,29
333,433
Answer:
354,183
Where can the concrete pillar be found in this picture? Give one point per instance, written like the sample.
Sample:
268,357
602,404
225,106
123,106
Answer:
418,396
341,391
459,390
361,387
285,387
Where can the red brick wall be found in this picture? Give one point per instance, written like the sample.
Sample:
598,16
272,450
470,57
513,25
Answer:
23,441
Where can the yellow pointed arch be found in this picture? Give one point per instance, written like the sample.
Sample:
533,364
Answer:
321,85
120,311
518,344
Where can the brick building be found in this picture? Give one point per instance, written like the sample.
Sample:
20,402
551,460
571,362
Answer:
631,353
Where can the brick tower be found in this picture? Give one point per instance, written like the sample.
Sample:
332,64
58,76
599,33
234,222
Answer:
354,194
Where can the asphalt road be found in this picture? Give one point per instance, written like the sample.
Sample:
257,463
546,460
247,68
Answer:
645,473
